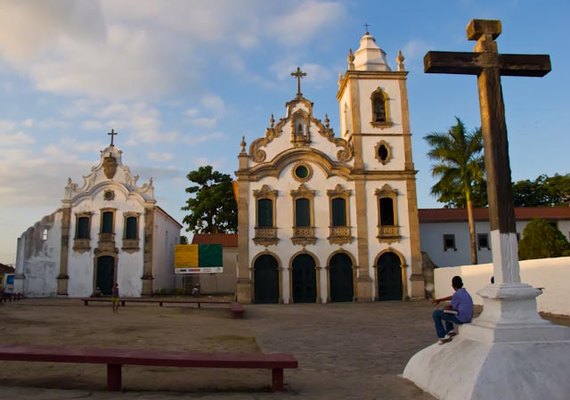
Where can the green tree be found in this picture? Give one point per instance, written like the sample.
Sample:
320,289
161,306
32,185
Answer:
460,168
212,204
542,239
543,191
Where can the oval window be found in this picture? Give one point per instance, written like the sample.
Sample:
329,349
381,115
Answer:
383,153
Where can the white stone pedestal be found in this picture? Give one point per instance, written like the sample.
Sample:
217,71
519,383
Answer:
508,352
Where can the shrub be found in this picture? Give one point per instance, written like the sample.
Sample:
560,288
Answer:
542,240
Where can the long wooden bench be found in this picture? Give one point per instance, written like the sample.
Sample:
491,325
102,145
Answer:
116,358
236,308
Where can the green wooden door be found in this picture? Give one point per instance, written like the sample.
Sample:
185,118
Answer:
266,280
105,274
389,277
340,270
304,279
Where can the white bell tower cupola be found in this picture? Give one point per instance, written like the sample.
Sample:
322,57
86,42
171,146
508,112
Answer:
370,57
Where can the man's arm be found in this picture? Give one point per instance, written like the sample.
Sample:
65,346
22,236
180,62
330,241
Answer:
437,301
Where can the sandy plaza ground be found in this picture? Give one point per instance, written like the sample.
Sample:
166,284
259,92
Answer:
345,350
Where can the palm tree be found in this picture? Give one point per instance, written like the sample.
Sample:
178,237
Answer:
460,168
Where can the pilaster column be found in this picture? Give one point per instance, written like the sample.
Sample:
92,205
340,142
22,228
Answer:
63,278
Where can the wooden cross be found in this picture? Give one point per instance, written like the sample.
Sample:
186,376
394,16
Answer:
489,65
298,74
112,133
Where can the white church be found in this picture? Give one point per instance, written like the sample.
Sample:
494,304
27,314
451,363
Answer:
108,230
329,218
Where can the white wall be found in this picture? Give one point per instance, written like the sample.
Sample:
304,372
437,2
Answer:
166,235
552,274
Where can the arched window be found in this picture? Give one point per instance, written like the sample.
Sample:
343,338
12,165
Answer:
388,229
303,217
265,213
380,110
339,230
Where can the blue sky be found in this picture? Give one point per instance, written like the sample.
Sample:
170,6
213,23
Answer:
183,81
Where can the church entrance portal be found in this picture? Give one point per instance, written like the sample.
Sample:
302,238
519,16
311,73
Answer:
389,277
304,279
266,280
340,270
105,274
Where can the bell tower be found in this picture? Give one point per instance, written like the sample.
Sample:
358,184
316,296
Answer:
374,118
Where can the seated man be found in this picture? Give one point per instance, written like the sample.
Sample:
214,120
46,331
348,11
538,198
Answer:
460,311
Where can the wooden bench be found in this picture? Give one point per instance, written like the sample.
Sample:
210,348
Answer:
236,309
116,358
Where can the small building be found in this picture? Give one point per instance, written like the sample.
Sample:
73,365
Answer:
108,230
223,282
4,270
444,232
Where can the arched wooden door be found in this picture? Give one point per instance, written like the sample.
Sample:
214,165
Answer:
105,274
389,277
304,279
340,278
266,280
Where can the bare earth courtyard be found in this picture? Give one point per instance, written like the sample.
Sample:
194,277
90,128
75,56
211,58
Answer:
345,350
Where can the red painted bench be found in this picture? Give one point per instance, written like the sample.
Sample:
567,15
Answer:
116,358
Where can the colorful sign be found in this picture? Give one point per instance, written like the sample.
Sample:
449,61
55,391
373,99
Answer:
198,259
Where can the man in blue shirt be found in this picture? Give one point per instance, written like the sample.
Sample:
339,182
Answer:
460,311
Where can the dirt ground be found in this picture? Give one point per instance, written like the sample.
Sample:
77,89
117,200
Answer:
345,350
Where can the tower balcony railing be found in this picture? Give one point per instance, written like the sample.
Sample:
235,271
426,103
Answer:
339,235
304,235
388,233
265,236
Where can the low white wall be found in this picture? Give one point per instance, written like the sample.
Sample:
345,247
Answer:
552,274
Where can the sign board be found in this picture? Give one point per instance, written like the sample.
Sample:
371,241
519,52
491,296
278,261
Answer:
198,259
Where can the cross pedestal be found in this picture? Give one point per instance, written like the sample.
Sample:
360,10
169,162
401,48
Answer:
509,351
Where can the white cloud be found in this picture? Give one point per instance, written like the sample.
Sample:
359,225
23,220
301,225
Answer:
164,157
213,103
415,49
204,122
28,123
304,22
205,137
18,138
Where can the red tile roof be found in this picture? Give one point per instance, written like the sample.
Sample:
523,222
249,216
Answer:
225,239
482,214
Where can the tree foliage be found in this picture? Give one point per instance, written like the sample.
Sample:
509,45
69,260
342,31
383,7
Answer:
542,239
212,204
460,168
543,191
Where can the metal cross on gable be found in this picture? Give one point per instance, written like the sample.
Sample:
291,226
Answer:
489,65
366,25
299,74
113,134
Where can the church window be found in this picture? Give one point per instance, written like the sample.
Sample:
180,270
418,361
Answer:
383,152
82,231
302,172
302,213
380,110
339,230
265,230
303,218
107,222
449,242
386,211
264,213
339,212
388,229
131,228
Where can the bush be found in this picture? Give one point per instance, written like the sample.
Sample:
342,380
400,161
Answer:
542,240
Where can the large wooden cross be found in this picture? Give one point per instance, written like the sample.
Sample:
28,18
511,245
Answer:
489,65
299,74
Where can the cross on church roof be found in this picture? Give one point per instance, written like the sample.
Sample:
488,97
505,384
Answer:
112,133
299,74
366,26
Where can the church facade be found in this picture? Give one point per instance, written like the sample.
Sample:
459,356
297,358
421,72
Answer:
107,231
325,218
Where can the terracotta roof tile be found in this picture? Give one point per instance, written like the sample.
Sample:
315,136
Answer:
225,239
482,214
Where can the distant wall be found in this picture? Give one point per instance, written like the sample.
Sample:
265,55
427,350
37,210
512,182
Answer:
552,274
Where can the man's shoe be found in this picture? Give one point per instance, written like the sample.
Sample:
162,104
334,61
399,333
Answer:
445,339
452,333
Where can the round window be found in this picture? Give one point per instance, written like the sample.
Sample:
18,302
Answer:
302,172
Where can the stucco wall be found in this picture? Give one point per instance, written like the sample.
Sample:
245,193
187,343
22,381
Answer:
166,235
552,274
225,282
